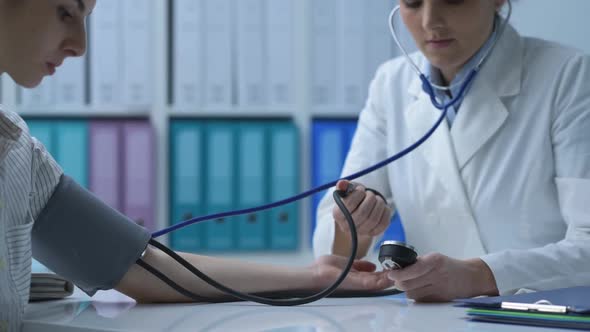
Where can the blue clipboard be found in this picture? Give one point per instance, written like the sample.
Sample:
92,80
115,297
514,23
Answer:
564,300
562,308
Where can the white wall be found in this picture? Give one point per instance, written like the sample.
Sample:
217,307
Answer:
564,21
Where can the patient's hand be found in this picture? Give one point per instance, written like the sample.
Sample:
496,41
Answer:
362,276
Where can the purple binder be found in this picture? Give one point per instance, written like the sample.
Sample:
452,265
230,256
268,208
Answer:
139,173
105,162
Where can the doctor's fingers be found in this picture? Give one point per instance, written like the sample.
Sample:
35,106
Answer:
423,266
373,219
352,202
362,215
354,198
359,216
428,279
384,222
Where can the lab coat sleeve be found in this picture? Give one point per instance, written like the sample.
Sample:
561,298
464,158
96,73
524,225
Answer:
367,149
567,262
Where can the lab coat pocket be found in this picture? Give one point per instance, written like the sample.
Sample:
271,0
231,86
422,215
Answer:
19,257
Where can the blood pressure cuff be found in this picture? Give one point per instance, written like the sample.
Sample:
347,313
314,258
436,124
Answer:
84,240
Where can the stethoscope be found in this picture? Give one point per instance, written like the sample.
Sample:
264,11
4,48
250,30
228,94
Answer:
392,255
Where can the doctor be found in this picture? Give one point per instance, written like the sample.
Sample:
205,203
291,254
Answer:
497,199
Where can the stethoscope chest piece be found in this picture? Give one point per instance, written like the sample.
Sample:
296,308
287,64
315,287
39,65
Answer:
395,255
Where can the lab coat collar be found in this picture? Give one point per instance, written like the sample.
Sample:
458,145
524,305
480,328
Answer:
481,117
502,71
482,111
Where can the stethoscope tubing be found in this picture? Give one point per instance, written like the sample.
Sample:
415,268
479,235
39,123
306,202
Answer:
427,85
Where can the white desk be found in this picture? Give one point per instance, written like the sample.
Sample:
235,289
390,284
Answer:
111,311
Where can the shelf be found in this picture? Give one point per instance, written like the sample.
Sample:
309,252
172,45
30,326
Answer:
229,114
84,115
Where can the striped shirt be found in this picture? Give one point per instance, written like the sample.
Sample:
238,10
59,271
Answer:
28,177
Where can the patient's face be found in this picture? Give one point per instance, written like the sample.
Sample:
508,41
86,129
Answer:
37,35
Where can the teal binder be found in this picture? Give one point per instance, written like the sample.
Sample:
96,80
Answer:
71,149
221,184
284,182
186,179
252,185
43,131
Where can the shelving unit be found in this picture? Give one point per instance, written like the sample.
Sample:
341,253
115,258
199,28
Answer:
160,112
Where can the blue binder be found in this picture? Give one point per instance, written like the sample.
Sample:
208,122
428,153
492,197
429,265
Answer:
221,184
349,129
284,182
331,142
252,231
71,149
187,179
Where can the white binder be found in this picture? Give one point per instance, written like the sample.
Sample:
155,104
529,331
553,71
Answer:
280,40
106,53
138,67
218,50
379,43
352,23
70,83
251,53
188,50
41,96
324,56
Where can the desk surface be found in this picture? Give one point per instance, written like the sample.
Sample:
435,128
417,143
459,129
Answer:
112,311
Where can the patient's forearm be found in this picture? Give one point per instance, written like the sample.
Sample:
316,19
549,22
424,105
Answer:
243,276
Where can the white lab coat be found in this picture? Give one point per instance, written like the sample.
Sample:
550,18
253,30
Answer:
509,182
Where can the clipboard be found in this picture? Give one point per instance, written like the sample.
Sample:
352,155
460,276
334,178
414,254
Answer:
561,308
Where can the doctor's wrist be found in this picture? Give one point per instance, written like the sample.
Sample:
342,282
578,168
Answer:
484,280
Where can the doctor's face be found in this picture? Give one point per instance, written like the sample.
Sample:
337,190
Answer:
37,35
449,32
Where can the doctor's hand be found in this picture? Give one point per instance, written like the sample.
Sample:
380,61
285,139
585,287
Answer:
370,213
438,278
362,275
